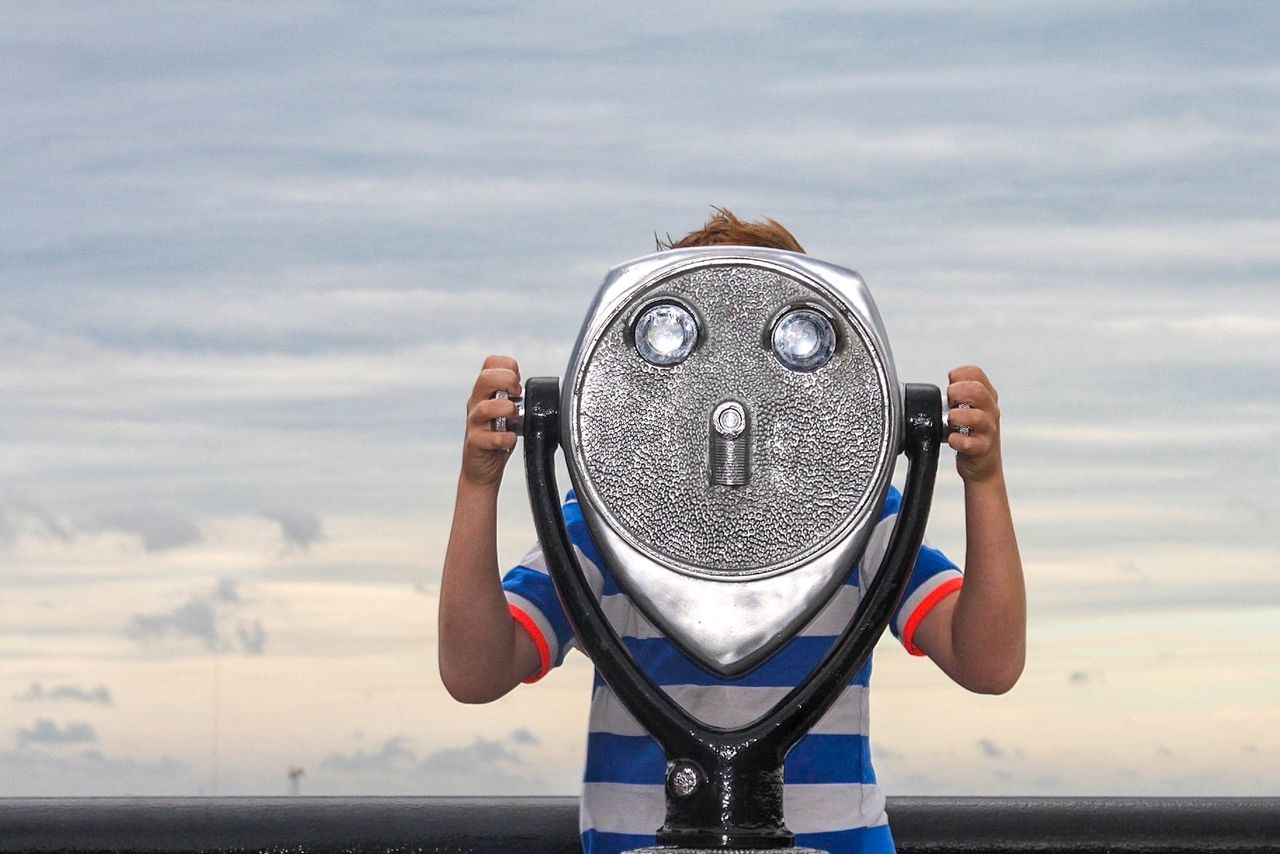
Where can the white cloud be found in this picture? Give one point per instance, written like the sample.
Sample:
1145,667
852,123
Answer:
1215,242
989,749
34,773
298,528
47,732
39,693
1211,326
488,765
217,620
159,530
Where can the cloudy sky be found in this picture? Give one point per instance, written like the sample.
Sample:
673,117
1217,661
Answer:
252,255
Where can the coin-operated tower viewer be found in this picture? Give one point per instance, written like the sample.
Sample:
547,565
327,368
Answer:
732,547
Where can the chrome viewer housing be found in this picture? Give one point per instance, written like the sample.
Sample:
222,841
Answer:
731,482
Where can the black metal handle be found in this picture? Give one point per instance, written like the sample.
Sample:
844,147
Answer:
724,786
650,706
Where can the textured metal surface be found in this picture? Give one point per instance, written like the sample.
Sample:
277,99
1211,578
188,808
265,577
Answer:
729,628
817,440
550,825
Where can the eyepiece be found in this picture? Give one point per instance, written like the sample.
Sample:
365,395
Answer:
803,340
666,334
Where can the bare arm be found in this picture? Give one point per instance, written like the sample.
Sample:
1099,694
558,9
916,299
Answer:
978,635
483,652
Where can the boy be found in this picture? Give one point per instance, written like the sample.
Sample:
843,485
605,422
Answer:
496,633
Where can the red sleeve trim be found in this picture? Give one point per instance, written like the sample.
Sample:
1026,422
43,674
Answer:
544,651
922,610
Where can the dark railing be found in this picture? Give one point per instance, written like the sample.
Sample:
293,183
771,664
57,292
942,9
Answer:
549,825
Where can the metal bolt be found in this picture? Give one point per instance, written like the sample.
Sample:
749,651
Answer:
503,424
730,419
729,445
684,780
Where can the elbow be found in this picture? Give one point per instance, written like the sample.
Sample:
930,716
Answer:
997,678
471,673
469,691
993,685
467,684
469,695
989,669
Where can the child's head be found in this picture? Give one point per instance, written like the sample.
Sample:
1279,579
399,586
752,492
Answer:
724,229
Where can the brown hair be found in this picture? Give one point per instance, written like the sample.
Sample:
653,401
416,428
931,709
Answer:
724,229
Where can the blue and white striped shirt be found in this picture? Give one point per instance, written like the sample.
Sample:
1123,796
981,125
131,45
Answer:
831,799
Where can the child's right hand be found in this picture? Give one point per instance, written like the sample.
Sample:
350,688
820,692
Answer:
486,451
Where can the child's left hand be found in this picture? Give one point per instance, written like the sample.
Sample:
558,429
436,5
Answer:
973,403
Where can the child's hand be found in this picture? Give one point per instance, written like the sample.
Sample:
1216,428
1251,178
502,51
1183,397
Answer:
973,399
486,451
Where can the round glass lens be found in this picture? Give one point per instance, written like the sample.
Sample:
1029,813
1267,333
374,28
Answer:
803,340
666,334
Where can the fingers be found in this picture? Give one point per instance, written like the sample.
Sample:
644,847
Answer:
501,362
972,374
500,373
974,410
486,450
493,380
975,415
971,393
491,440
482,414
981,431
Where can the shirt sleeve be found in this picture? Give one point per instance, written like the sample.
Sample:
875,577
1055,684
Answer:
933,578
532,597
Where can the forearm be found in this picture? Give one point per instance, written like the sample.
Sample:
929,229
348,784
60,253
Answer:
481,652
988,627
